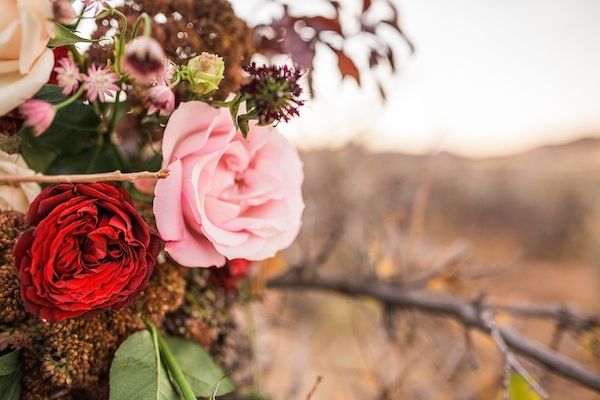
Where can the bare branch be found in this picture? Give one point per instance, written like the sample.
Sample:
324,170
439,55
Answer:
114,176
511,362
314,387
562,314
467,313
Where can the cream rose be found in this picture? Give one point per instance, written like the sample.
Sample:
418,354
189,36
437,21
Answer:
16,198
25,60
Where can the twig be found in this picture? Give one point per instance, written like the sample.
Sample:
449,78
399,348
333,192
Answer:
563,315
467,313
85,178
511,362
314,387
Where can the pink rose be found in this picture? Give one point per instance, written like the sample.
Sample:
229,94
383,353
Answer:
226,197
25,60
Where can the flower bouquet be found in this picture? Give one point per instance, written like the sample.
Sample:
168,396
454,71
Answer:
141,176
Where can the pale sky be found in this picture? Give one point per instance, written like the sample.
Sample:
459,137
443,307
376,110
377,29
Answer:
489,77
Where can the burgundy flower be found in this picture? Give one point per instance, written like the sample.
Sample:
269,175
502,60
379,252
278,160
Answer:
273,92
228,276
89,251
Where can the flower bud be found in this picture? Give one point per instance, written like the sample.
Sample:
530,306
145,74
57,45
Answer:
204,73
63,12
38,115
144,59
161,99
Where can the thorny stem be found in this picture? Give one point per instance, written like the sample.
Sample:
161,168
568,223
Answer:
115,176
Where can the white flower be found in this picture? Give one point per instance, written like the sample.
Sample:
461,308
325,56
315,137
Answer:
16,198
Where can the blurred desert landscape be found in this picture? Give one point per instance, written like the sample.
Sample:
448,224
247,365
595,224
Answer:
520,229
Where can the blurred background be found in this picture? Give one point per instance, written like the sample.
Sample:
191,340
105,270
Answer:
480,172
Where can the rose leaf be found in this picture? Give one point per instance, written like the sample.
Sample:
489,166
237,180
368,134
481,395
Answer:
137,372
199,369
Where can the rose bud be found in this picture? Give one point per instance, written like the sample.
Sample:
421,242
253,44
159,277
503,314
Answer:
161,99
144,59
89,250
38,115
63,12
204,73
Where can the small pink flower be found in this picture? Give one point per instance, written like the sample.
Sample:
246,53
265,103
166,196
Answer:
161,99
38,115
63,12
166,76
68,75
100,82
144,59
95,6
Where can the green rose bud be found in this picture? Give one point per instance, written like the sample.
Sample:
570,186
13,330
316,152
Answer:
204,73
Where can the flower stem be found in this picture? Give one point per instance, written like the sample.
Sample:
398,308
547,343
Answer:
115,176
172,365
121,45
113,115
71,99
145,18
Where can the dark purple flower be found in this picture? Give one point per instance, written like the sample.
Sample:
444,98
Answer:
272,93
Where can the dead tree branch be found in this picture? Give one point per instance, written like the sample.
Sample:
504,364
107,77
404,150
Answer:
470,314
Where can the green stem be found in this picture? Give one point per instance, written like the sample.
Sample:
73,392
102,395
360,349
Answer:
220,103
113,115
97,150
75,54
121,46
176,81
172,365
70,100
145,18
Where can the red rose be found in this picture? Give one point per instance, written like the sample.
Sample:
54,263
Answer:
89,250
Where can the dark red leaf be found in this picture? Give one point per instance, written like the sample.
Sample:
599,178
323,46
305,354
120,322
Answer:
321,24
347,66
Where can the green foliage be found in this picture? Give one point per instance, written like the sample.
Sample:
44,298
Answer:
199,369
519,389
137,372
64,36
10,376
72,144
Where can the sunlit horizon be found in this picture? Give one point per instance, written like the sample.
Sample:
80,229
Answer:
500,78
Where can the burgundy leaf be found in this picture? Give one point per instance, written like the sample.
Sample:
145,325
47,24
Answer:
347,66
321,24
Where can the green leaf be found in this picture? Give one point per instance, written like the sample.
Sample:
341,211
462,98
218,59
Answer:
73,132
10,386
137,372
519,389
198,367
64,36
10,362
10,375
